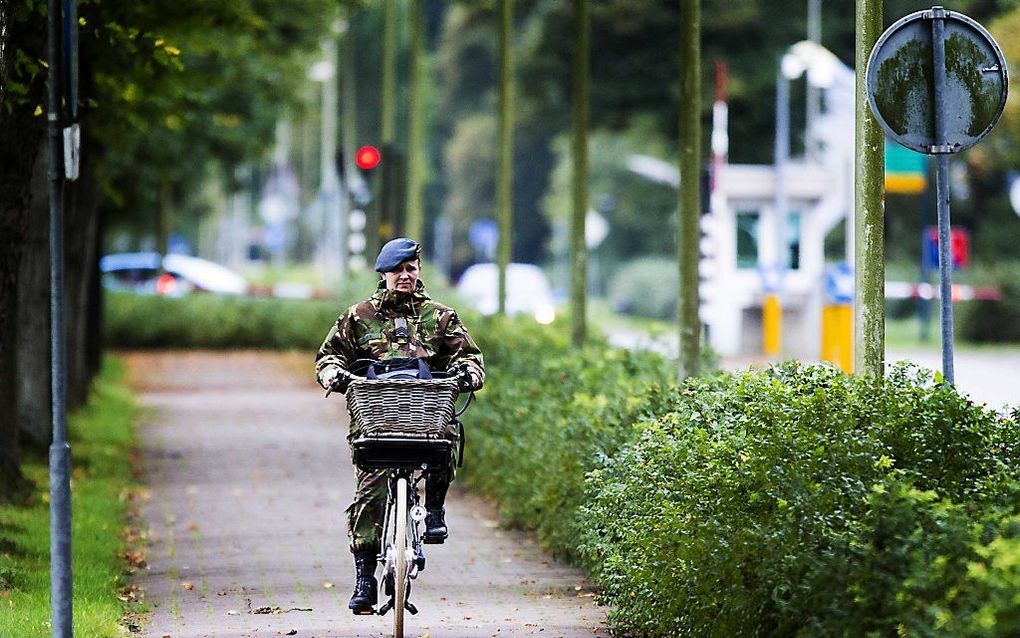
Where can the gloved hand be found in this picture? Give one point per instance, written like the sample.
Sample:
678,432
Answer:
337,380
473,380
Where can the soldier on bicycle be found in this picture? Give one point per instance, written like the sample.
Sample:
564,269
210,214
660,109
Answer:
399,321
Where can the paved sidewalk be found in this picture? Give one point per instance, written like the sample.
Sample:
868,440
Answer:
250,474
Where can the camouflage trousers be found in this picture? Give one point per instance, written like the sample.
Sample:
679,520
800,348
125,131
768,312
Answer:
365,514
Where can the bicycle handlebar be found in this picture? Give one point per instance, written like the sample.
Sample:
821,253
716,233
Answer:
460,372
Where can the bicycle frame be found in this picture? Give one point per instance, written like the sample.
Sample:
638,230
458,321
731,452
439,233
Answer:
402,556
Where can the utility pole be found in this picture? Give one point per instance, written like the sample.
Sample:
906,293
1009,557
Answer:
579,148
506,145
416,135
689,201
869,206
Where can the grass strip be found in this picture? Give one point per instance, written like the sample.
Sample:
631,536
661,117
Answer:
101,436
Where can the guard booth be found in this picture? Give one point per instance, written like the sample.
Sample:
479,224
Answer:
746,242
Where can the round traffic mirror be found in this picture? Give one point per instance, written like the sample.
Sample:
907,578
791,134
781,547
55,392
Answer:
900,82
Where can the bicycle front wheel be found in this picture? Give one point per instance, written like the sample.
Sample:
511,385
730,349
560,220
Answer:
400,573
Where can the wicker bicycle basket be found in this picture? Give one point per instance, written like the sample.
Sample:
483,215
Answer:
418,408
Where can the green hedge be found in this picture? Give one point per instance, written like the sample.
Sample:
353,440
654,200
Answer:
781,502
549,414
800,501
994,321
212,321
646,287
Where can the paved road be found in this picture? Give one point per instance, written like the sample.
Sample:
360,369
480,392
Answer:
249,477
990,376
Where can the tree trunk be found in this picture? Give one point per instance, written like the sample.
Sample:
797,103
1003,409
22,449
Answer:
579,153
689,194
505,179
80,263
32,346
22,134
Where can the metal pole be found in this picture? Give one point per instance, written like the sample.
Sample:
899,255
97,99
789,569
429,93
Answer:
349,124
814,34
60,452
689,202
942,191
388,115
328,181
578,249
772,308
416,133
506,147
869,207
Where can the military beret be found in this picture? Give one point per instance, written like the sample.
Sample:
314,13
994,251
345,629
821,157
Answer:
395,252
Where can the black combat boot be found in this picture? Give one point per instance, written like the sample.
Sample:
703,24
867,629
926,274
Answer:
435,516
365,595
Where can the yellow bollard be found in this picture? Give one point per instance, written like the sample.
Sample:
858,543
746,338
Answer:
837,336
772,325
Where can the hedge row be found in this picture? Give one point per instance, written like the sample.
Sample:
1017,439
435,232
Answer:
781,502
793,501
211,321
548,415
800,501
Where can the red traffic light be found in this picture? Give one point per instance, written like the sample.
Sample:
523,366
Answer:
367,157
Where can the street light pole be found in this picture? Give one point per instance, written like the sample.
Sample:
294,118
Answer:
60,451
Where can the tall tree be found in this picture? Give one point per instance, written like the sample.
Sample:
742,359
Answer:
578,249
689,209
415,219
869,208
506,146
22,77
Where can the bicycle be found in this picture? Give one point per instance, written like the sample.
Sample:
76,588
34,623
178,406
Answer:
404,426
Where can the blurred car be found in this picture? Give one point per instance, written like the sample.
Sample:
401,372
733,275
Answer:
140,273
527,290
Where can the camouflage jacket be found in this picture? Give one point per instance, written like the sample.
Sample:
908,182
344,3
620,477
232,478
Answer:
367,331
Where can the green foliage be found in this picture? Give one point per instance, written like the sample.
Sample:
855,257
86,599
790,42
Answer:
220,321
640,213
645,287
176,87
210,321
799,501
547,415
994,321
101,437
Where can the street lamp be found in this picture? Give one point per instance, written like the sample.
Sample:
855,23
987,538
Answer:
821,67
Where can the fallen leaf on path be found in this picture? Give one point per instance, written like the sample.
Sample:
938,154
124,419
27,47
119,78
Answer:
266,610
136,558
130,594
